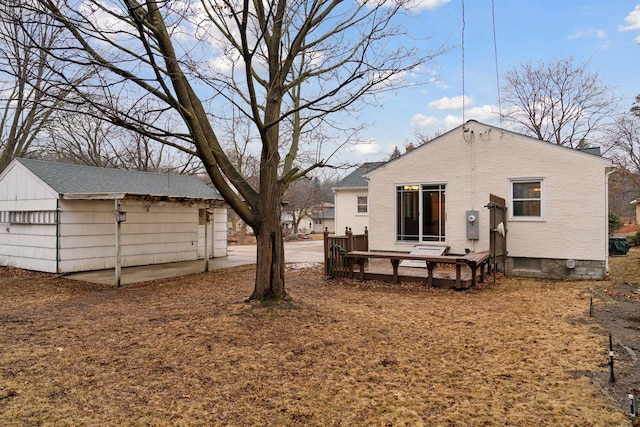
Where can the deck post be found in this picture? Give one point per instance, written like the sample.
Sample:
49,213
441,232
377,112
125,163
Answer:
430,274
326,252
394,264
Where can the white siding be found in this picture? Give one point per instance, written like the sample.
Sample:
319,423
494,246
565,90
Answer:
20,190
84,240
28,246
575,217
219,232
346,215
217,235
166,232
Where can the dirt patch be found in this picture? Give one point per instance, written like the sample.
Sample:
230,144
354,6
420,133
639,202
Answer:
617,309
190,351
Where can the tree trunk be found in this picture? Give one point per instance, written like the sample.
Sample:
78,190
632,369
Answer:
269,284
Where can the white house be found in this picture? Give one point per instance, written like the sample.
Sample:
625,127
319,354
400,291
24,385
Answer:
323,217
62,218
351,200
436,195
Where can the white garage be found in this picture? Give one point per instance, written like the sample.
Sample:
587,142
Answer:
62,218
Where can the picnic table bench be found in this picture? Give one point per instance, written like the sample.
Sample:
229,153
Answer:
473,260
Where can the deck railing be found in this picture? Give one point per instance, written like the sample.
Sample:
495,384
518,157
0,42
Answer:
336,264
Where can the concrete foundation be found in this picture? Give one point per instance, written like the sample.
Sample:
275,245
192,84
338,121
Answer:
559,269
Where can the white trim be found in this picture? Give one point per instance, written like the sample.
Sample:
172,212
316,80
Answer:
543,192
358,204
420,190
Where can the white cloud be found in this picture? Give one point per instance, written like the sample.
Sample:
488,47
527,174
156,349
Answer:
485,113
451,121
591,33
482,114
365,148
576,35
427,4
420,120
224,64
408,4
633,19
454,103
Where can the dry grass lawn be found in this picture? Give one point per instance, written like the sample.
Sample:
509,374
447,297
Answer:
190,352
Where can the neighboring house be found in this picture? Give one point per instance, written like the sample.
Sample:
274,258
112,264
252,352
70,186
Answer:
636,202
61,218
351,200
556,200
314,220
323,217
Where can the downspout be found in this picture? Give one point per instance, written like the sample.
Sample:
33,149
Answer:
606,204
207,224
118,218
58,235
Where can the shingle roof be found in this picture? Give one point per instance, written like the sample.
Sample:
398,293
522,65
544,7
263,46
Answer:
327,213
67,178
356,178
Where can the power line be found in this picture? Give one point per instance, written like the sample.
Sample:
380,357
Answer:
463,97
495,56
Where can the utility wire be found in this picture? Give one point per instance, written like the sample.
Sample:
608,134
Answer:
463,97
495,56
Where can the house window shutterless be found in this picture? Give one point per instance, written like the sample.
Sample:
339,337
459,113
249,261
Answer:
526,198
420,213
362,204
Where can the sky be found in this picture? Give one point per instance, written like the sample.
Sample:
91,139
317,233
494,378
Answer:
606,33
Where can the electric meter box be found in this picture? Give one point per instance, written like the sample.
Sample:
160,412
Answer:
473,225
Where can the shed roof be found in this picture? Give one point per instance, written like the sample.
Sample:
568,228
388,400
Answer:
71,179
356,178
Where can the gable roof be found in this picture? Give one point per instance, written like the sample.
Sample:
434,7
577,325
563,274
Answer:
588,152
592,153
356,178
78,180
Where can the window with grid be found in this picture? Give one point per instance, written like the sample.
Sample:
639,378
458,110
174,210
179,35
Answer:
362,204
527,199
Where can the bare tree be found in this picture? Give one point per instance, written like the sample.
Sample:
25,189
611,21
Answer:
626,141
237,140
624,185
88,140
81,140
160,50
559,102
301,198
635,108
30,87
623,188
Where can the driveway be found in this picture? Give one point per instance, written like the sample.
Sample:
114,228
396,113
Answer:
305,253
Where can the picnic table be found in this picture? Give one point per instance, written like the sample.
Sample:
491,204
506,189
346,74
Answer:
473,260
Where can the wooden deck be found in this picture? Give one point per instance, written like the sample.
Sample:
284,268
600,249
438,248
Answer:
458,272
443,277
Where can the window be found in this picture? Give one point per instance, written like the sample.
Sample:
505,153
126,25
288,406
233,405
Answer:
362,204
420,213
28,217
527,199
318,221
